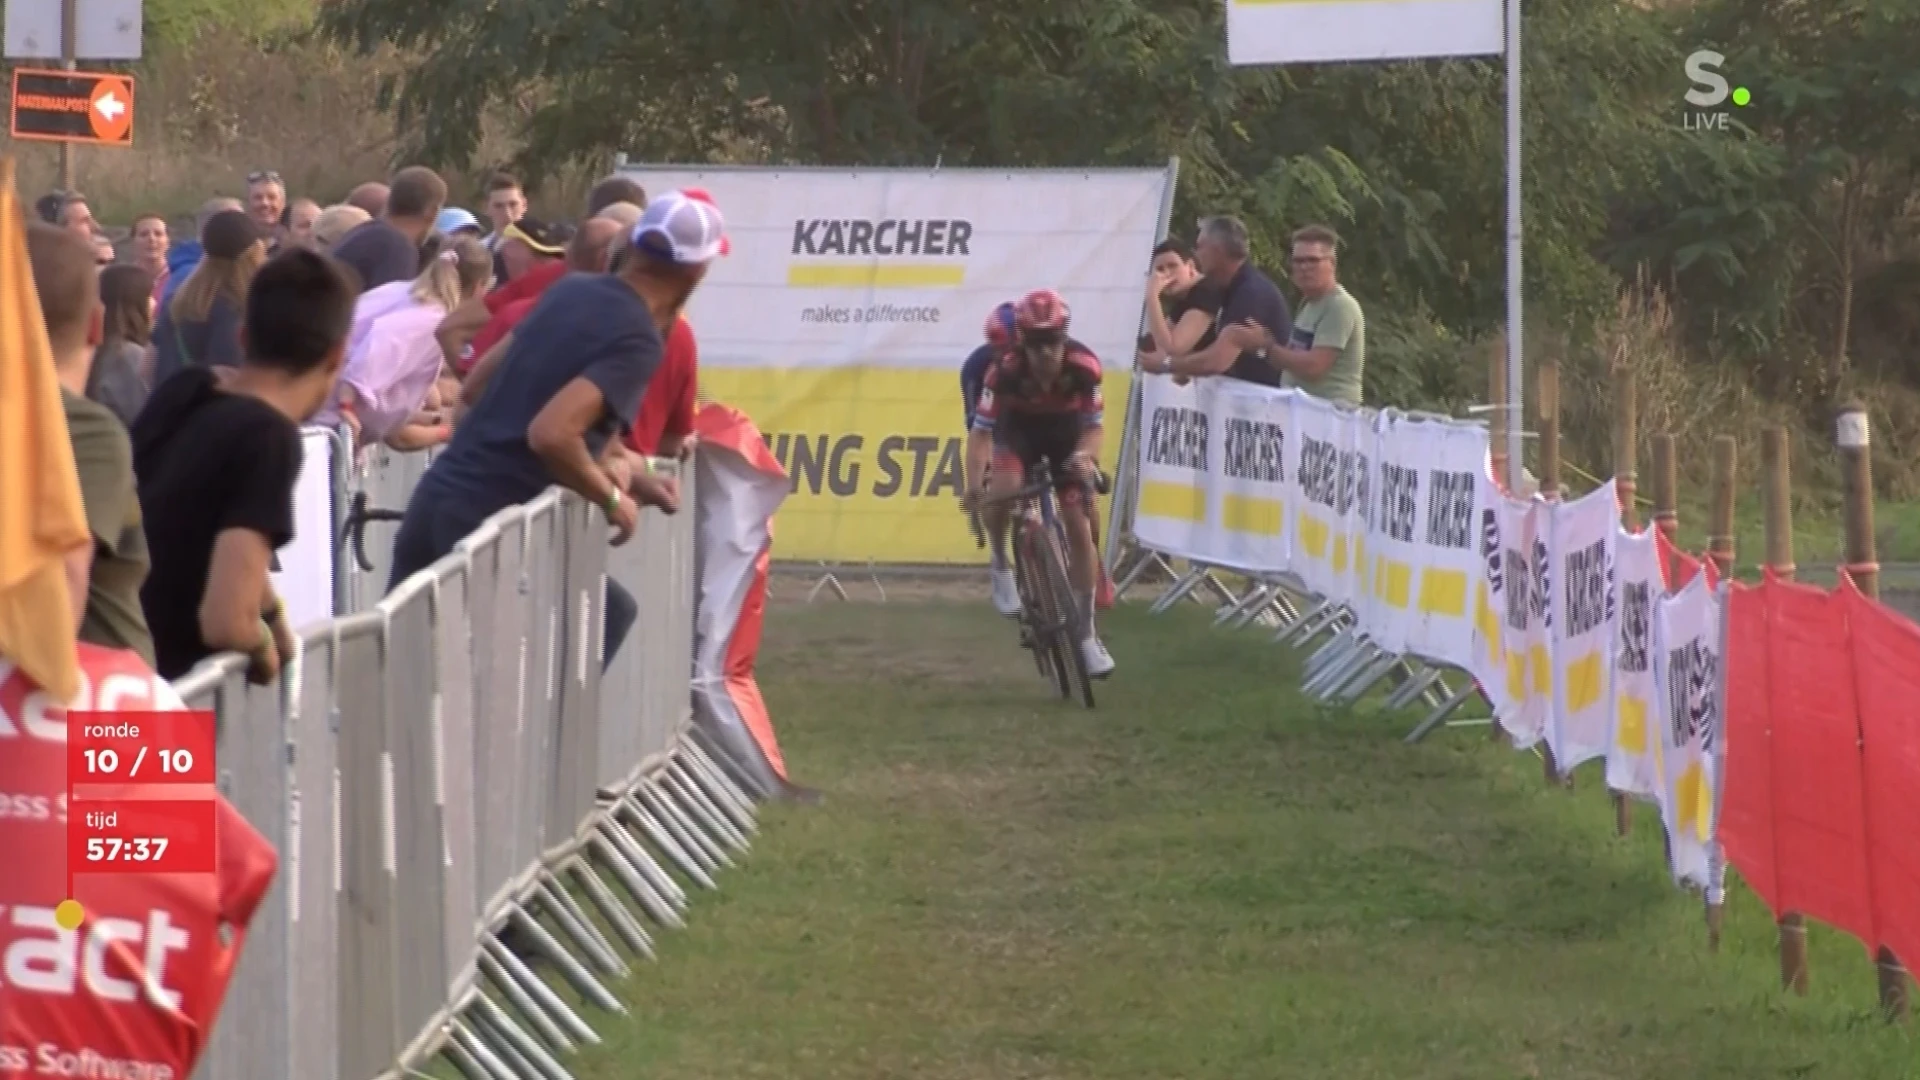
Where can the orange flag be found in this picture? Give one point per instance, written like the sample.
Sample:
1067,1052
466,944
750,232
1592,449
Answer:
41,517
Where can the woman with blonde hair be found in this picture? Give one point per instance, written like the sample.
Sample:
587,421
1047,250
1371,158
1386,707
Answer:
200,326
335,222
393,358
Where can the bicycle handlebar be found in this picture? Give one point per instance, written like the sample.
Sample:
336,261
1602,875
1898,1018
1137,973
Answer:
353,531
1043,470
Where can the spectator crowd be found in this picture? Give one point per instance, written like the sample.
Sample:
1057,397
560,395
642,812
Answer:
529,352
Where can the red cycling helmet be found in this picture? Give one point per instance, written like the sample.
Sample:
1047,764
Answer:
1000,326
1041,310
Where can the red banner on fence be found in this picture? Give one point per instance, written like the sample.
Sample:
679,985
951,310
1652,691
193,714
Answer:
1823,759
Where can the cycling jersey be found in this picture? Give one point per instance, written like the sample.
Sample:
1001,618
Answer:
1029,421
973,378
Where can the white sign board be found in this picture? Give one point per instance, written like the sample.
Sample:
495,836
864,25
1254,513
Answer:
103,29
1322,31
304,570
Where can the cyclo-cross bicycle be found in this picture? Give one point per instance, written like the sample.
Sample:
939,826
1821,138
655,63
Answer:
1052,622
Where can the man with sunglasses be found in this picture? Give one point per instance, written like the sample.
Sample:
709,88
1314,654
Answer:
267,202
1041,399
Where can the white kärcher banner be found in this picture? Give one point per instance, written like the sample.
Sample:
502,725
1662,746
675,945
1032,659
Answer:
1172,510
1454,460
1529,668
850,299
1582,554
1320,31
1686,669
1323,540
1633,759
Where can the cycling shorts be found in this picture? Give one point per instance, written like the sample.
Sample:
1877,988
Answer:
1020,442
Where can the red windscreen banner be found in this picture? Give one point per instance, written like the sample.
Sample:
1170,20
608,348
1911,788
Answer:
1821,804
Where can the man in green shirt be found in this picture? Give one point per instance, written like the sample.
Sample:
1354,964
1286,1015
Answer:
1326,354
109,572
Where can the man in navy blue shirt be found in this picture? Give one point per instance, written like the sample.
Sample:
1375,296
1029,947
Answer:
1247,296
570,384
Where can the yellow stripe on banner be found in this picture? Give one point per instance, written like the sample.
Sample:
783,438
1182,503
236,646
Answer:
1542,671
1251,514
875,276
1487,621
1443,592
1583,683
1177,502
1630,733
1314,536
1340,553
1693,802
1393,582
1516,677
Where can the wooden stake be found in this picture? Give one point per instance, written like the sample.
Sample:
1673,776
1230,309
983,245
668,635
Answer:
1863,565
1720,515
1777,490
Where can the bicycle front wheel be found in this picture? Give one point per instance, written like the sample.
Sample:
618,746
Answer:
1070,623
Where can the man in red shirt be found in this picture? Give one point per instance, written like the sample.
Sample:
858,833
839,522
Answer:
459,331
664,426
587,253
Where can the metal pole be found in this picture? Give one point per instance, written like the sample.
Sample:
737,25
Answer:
69,41
1516,445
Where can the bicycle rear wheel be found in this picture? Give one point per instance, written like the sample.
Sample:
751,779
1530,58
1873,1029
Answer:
1070,624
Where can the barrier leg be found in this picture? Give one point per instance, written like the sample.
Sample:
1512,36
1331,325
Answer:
1336,673
670,815
1330,651
493,1016
542,995
625,868
524,998
1312,627
1273,609
1315,607
1144,561
1180,588
624,924
1249,601
465,1064
722,763
1220,589
490,1047
585,937
572,970
1439,715
642,859
695,801
1412,687
736,803
638,814
482,1056
1357,688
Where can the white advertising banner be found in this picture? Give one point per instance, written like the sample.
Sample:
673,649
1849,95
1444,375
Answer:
1523,571
1686,669
1489,664
1251,495
1633,758
1322,544
1322,31
1453,458
850,299
1582,620
1171,511
303,570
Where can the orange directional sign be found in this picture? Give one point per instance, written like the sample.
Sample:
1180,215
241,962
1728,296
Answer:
73,106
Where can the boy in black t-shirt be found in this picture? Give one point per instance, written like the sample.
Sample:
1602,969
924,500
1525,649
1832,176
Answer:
217,458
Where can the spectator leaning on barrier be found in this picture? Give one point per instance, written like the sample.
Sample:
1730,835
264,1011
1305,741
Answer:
589,252
104,576
1181,306
392,358
200,326
570,384
1327,352
531,271
388,248
118,377
187,253
218,458
1246,295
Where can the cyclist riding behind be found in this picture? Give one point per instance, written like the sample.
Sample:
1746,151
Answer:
973,378
1041,399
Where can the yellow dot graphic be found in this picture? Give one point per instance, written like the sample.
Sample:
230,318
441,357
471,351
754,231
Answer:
69,914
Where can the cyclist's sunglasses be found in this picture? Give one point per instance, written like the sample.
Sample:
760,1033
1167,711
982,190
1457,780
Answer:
1042,339
265,176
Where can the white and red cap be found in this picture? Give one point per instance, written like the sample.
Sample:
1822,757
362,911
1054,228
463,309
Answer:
683,226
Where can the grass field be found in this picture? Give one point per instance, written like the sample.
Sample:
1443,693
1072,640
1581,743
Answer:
1207,879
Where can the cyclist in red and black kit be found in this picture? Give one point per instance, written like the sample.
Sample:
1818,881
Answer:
1041,398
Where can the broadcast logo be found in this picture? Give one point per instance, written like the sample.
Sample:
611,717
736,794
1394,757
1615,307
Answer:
1710,90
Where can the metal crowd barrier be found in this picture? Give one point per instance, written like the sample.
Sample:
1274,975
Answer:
453,785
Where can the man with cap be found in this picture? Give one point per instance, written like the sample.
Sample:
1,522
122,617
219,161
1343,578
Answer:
530,258
569,386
